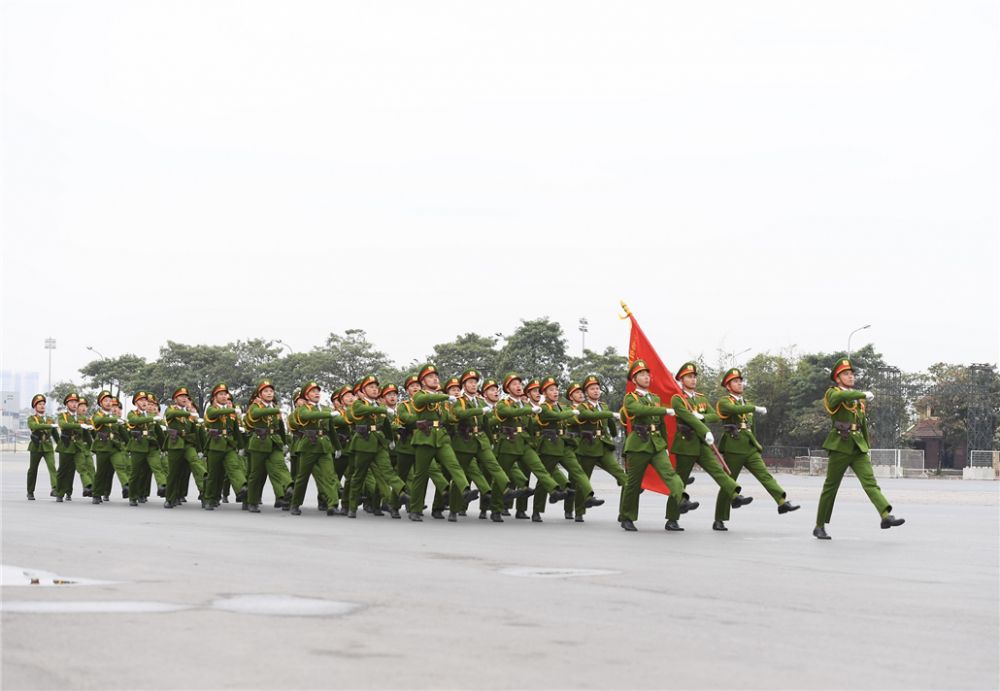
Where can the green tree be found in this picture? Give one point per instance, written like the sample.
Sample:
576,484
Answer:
468,351
536,348
117,374
767,378
62,389
345,359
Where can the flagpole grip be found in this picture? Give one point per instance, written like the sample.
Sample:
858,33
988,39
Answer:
628,312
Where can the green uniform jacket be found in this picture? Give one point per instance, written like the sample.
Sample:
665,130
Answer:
846,408
43,435
597,430
266,428
428,419
403,427
739,434
223,429
181,429
552,429
466,416
644,411
141,437
105,433
311,421
369,426
71,434
685,407
512,418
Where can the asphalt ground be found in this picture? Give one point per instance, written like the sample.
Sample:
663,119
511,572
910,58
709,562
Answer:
187,599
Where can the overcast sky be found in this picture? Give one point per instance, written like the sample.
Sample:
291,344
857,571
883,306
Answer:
744,174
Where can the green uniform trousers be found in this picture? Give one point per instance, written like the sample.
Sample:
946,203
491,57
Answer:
140,475
159,467
108,463
50,462
710,464
456,502
320,467
263,465
182,463
424,457
609,464
838,464
637,463
529,464
65,474
404,469
378,462
755,464
85,468
577,477
223,465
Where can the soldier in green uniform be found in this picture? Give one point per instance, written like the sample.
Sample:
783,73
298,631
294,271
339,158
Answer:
532,396
404,426
515,444
120,460
554,450
268,439
489,389
370,445
597,431
71,443
847,444
42,445
740,448
106,447
431,442
463,423
224,446
158,461
315,449
694,441
294,434
645,446
340,430
85,458
141,445
182,448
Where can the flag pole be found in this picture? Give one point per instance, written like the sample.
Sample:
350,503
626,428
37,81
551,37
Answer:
628,312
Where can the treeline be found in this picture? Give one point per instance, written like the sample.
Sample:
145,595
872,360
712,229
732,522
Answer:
790,385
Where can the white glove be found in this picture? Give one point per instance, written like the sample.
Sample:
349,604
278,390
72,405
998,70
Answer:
193,417
576,411
54,426
487,409
158,418
452,399
242,453
237,409
618,416
698,415
338,453
709,439
86,426
760,409
670,412
284,449
392,445
869,396
391,412
335,413
536,409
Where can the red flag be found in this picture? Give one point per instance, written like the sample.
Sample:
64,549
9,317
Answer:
663,385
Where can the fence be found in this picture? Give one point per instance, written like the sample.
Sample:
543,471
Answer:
885,463
984,464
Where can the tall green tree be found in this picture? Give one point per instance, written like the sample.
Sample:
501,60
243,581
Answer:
468,351
610,367
117,374
536,348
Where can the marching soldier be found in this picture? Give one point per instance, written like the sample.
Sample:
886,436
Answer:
123,467
532,396
71,443
847,444
404,425
266,447
42,445
515,445
315,449
370,445
597,431
141,445
694,443
107,449
463,423
646,446
157,461
740,448
182,448
85,458
431,442
554,450
223,448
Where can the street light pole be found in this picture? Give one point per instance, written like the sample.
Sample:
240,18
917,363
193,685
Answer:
50,345
584,324
285,345
100,355
851,335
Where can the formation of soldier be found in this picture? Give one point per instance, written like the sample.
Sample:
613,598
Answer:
473,438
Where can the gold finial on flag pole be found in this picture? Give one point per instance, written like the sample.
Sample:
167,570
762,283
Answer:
628,312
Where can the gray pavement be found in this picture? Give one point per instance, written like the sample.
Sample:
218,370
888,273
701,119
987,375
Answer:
187,599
